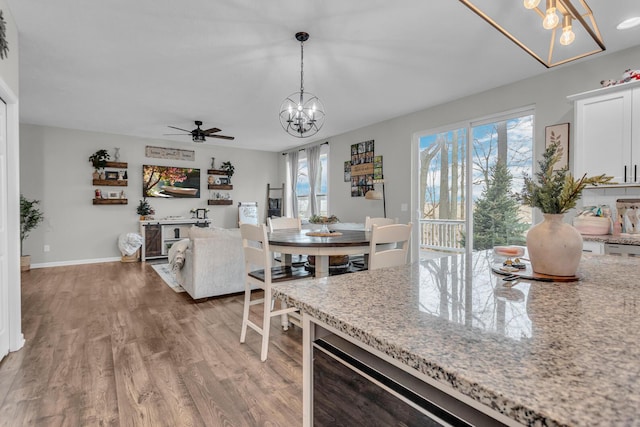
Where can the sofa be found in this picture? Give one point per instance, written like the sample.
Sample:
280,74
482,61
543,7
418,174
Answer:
213,262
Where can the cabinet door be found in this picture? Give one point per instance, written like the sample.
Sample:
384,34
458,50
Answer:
153,240
635,135
603,136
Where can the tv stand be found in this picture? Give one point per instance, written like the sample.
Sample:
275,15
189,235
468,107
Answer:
159,234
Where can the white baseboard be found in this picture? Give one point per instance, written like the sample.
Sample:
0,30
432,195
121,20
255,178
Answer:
74,262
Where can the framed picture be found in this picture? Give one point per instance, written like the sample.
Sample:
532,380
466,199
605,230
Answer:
201,213
558,134
347,171
223,180
113,194
111,175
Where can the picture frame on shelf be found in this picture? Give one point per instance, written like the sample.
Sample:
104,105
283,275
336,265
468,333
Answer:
111,175
223,180
558,134
201,213
113,195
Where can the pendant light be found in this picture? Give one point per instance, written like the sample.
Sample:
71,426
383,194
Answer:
302,113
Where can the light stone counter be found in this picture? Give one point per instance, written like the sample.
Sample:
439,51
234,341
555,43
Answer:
540,353
620,239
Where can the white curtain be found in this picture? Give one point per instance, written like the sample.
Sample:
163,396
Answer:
292,161
313,164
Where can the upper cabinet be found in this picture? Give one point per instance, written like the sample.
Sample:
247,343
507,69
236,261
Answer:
607,133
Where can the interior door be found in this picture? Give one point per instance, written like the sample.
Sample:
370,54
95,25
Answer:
4,277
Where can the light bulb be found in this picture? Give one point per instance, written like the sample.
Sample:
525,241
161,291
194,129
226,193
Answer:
530,4
567,36
551,19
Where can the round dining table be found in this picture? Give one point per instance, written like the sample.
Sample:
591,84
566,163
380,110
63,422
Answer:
299,242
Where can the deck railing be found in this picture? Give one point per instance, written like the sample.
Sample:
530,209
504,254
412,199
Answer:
442,234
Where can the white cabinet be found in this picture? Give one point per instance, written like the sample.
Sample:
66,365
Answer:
607,133
159,235
596,248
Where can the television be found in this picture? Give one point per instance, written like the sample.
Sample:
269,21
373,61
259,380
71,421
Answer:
170,182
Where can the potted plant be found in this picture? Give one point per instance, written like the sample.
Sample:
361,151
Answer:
555,247
229,169
144,209
99,161
30,218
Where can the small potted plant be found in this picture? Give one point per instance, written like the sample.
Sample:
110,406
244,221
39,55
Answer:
99,161
144,209
229,169
30,218
555,247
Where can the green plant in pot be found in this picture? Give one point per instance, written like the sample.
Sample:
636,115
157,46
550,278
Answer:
144,209
99,161
229,169
555,247
30,217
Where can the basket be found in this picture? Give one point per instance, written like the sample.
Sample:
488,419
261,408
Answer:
131,258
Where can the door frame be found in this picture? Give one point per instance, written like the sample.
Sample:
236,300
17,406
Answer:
16,338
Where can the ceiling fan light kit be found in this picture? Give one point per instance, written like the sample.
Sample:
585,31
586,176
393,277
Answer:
302,113
554,32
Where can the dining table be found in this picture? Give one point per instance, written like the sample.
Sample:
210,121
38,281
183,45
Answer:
307,242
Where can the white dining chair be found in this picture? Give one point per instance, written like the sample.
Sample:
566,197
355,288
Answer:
389,245
255,245
287,223
379,221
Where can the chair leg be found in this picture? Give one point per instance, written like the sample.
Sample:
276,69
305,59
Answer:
245,311
266,323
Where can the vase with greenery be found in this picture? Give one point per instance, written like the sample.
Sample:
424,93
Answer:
555,247
144,209
229,169
30,217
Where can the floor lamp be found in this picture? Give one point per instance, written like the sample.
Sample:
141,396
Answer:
377,195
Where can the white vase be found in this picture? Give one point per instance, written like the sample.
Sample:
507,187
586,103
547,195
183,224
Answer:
554,247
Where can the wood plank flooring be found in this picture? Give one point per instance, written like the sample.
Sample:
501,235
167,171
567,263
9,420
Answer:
111,345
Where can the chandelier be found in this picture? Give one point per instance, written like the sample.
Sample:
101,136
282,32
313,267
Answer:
302,113
554,32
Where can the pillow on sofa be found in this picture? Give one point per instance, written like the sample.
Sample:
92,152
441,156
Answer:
203,232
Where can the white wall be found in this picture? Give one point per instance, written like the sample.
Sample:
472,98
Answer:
393,138
55,170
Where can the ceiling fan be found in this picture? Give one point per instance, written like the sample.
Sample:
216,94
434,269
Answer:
198,135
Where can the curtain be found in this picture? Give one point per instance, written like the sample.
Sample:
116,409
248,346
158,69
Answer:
292,161
313,164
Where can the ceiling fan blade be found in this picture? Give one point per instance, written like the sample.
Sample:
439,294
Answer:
180,134
231,138
212,130
173,127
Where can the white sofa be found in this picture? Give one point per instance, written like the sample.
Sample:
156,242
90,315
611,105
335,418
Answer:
213,263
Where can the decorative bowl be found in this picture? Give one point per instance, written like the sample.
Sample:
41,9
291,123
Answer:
592,225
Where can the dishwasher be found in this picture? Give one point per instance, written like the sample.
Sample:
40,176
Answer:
621,250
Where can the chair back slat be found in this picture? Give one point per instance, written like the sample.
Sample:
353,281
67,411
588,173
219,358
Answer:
370,222
284,223
256,248
389,245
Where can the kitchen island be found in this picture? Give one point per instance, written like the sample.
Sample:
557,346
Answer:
538,353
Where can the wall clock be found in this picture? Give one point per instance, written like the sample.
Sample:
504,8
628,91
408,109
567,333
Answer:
4,46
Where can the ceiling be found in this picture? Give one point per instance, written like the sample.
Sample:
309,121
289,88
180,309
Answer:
135,67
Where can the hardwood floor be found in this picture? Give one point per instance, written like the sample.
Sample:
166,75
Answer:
111,344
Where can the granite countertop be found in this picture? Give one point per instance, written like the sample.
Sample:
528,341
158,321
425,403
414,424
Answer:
620,239
541,353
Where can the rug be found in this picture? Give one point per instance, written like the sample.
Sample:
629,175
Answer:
164,271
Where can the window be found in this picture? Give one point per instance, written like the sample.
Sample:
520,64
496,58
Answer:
471,185
303,190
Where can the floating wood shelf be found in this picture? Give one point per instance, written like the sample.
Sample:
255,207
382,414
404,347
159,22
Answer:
110,201
220,202
220,187
110,182
216,172
117,165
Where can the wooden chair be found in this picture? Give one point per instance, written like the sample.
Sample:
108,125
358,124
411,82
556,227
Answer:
389,245
256,254
287,223
369,222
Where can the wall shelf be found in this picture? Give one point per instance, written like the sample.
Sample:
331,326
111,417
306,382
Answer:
216,172
111,182
220,202
220,187
110,201
117,165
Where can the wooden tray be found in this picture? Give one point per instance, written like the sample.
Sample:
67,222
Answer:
529,274
324,234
